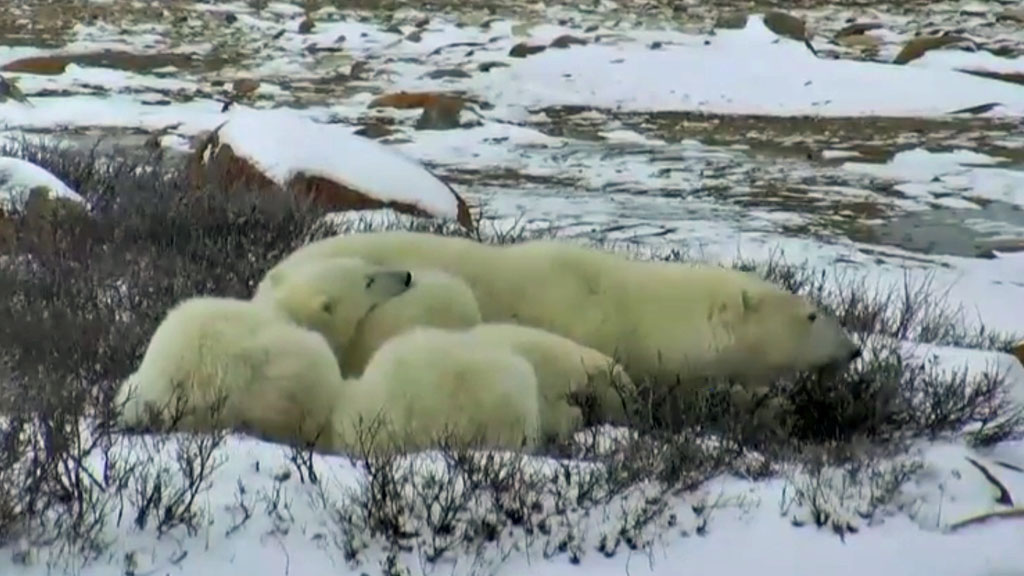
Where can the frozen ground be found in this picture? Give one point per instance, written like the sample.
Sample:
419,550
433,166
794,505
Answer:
644,134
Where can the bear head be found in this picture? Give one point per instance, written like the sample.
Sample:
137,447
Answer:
780,332
333,295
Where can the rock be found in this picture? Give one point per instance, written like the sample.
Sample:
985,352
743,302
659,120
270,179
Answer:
1011,77
786,25
1018,351
34,218
442,73
9,89
116,59
40,65
1011,14
522,50
244,86
979,109
409,100
731,21
859,41
857,29
325,183
567,40
441,114
917,47
306,26
375,130
488,66
414,36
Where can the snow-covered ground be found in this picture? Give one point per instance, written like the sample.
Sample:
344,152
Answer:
615,194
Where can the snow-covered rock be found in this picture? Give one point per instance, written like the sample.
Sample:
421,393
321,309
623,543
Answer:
327,163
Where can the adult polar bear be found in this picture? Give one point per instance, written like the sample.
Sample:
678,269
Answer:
660,320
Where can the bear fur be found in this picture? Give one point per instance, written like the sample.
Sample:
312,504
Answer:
660,320
332,296
568,375
238,365
226,364
434,298
428,381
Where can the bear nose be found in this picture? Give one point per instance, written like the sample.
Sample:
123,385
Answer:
408,279
856,354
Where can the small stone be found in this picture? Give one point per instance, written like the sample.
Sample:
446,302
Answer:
567,40
244,86
441,114
306,26
375,131
414,36
857,28
230,18
731,21
488,66
442,73
786,25
917,47
859,41
522,50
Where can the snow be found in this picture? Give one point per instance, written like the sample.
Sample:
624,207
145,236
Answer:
282,144
18,176
737,72
747,526
622,186
922,174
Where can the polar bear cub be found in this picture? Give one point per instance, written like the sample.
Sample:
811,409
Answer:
332,296
427,382
221,363
434,298
568,373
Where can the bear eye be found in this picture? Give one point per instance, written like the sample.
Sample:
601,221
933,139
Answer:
327,307
812,316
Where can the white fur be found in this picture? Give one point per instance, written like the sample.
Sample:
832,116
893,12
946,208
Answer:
332,296
427,381
659,319
222,363
564,369
435,299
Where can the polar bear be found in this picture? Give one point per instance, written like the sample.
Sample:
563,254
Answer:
669,322
434,298
568,373
427,382
218,363
226,364
332,296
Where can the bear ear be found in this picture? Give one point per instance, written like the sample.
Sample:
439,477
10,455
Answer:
750,302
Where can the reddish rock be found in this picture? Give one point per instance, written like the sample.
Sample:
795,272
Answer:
213,160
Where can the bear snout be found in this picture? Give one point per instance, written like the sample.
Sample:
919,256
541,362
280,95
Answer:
408,279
